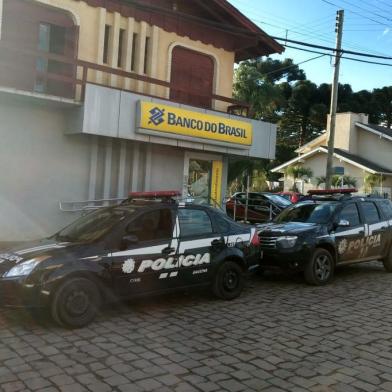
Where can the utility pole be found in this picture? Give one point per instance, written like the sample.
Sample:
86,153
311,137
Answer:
334,97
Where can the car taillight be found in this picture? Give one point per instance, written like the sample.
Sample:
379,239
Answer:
255,240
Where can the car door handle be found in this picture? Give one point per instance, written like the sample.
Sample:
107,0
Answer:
167,251
217,242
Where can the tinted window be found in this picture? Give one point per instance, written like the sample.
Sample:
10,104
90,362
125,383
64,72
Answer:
386,208
350,213
222,223
307,213
194,222
370,212
279,200
153,225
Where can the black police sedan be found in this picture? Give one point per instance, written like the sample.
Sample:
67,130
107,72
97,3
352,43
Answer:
147,245
331,228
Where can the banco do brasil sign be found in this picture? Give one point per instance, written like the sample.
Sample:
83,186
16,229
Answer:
173,120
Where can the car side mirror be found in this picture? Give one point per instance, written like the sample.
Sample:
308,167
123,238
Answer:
343,223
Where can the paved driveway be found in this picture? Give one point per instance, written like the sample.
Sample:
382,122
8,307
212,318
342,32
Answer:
280,335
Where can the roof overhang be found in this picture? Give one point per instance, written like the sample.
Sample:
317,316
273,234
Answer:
280,169
374,131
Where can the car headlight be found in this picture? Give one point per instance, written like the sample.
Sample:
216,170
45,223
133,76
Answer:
287,242
25,267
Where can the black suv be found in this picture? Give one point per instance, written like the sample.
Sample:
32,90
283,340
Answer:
331,228
147,245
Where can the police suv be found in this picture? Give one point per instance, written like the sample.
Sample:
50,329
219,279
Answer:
148,244
331,228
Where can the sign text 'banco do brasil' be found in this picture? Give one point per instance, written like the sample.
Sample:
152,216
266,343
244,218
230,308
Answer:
165,118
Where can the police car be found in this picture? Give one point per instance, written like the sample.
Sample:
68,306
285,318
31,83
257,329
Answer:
331,228
148,244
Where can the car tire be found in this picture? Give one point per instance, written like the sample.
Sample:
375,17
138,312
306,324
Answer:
320,268
387,261
75,303
229,281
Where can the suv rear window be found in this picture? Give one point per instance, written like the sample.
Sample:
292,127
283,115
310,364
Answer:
370,212
386,208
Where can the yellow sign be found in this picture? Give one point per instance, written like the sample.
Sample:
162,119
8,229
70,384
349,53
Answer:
165,118
216,181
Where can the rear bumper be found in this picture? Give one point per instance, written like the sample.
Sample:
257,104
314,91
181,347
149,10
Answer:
17,293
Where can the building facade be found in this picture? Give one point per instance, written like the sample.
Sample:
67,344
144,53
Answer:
362,151
102,97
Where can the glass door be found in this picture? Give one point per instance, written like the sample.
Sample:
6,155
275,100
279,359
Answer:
199,179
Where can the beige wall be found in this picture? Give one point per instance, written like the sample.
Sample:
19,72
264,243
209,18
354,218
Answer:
92,20
374,148
345,130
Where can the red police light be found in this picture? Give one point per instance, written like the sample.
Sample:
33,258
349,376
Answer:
153,194
331,191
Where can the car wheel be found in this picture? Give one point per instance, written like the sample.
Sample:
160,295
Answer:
75,303
320,268
387,261
229,281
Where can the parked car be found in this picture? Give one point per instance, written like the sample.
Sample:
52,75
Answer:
260,206
333,228
141,247
294,197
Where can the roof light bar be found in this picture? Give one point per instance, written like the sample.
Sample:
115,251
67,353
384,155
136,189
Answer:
332,191
153,194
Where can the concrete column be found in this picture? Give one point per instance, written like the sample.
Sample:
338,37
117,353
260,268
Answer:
135,167
108,169
101,41
122,169
1,16
147,178
113,51
153,57
140,54
93,168
128,51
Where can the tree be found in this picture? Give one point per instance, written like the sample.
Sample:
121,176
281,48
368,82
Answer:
382,100
372,181
338,181
298,173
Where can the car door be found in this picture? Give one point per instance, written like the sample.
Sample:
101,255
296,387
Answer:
349,238
376,230
137,268
198,243
385,206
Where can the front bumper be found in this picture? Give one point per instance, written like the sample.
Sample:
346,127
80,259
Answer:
17,292
286,259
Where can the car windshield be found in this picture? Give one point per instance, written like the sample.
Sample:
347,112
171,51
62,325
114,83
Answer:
278,200
307,213
93,226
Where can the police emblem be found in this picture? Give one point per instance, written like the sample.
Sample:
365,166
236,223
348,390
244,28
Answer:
128,266
342,246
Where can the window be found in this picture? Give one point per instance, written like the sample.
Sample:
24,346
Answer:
133,58
146,49
52,38
106,45
194,222
120,48
370,212
350,213
155,225
222,224
386,208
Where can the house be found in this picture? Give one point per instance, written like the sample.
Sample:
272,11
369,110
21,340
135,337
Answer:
362,151
102,97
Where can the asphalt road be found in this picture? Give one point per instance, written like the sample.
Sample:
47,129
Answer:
280,335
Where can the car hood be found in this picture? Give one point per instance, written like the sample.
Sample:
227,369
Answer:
291,228
29,250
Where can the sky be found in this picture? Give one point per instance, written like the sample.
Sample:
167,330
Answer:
367,28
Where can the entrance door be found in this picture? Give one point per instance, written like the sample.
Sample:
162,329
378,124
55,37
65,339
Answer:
192,75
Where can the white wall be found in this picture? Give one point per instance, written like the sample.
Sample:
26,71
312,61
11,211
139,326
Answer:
39,165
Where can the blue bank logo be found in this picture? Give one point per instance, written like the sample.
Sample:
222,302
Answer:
157,116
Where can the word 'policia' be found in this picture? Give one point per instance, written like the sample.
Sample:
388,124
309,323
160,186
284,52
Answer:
221,128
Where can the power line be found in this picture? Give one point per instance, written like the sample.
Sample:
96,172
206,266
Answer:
332,49
342,57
